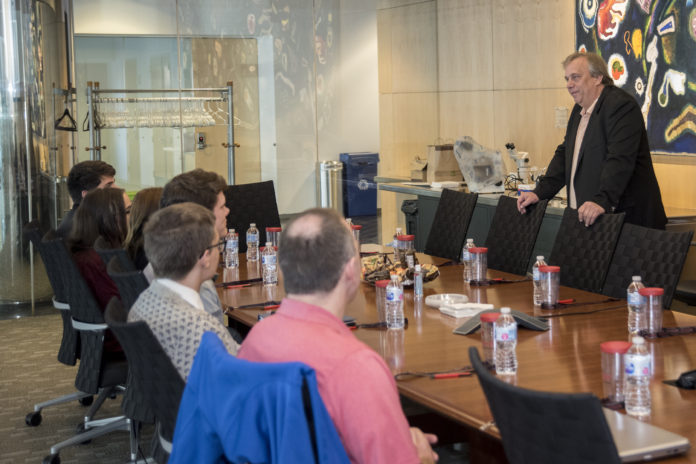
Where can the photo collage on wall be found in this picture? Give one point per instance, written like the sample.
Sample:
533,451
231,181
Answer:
650,50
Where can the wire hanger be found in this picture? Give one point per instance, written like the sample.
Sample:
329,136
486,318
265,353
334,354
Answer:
71,125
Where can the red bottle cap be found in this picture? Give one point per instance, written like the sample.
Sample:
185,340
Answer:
489,317
651,291
616,347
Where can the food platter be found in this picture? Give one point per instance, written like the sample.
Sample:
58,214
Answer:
379,266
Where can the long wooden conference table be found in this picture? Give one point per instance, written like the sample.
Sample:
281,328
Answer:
565,358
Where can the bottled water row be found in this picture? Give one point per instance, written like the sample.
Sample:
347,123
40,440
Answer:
268,257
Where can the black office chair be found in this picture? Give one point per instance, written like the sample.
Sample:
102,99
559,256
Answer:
130,284
154,381
452,217
656,255
107,254
68,353
541,427
97,373
249,203
686,292
584,253
512,235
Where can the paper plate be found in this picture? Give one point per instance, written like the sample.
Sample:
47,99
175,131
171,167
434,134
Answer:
445,299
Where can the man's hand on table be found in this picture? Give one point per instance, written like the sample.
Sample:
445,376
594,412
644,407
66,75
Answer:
525,199
423,442
588,212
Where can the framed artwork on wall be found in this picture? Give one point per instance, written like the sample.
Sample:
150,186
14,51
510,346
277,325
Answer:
650,50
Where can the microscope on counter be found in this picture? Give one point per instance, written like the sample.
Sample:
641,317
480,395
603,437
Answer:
527,175
521,159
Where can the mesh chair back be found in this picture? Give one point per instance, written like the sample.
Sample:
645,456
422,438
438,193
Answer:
656,255
546,427
69,351
130,284
584,253
451,222
156,383
92,373
512,235
107,254
251,203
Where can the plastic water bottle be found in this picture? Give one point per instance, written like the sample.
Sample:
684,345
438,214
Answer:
270,265
536,278
395,303
505,343
417,282
467,258
637,314
231,249
252,239
637,378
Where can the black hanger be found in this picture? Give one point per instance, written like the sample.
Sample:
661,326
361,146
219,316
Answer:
72,127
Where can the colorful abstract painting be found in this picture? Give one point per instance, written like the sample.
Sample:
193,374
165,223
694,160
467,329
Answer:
650,50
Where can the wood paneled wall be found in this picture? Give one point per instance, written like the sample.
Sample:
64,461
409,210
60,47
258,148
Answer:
490,69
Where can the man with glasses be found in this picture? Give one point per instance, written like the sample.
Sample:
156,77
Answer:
183,247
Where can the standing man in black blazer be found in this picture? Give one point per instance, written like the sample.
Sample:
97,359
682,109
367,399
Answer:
604,159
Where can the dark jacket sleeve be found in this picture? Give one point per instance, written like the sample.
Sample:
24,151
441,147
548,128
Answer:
622,125
554,179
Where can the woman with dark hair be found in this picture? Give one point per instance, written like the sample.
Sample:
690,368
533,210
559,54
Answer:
101,214
144,204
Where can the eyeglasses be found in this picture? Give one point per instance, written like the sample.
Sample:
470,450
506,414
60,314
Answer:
219,245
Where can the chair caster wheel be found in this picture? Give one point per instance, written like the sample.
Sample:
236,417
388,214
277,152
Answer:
86,401
33,418
51,459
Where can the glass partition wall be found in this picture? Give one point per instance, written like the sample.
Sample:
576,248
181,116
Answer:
305,89
283,58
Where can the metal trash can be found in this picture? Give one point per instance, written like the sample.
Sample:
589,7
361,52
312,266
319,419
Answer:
330,185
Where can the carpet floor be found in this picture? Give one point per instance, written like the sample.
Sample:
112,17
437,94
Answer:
30,373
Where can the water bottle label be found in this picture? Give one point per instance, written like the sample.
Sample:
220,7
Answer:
506,333
252,237
635,299
466,256
536,274
409,261
637,364
268,260
232,244
394,294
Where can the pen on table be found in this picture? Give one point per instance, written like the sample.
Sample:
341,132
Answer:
450,375
237,286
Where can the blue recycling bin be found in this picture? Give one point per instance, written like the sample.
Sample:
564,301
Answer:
359,187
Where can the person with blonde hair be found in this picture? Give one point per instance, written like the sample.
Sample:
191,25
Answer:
145,203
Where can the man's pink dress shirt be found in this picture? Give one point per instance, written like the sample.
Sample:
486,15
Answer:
356,385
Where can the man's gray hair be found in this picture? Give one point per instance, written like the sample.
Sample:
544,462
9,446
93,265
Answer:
597,65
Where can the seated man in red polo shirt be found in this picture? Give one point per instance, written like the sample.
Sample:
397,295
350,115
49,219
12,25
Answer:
321,272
